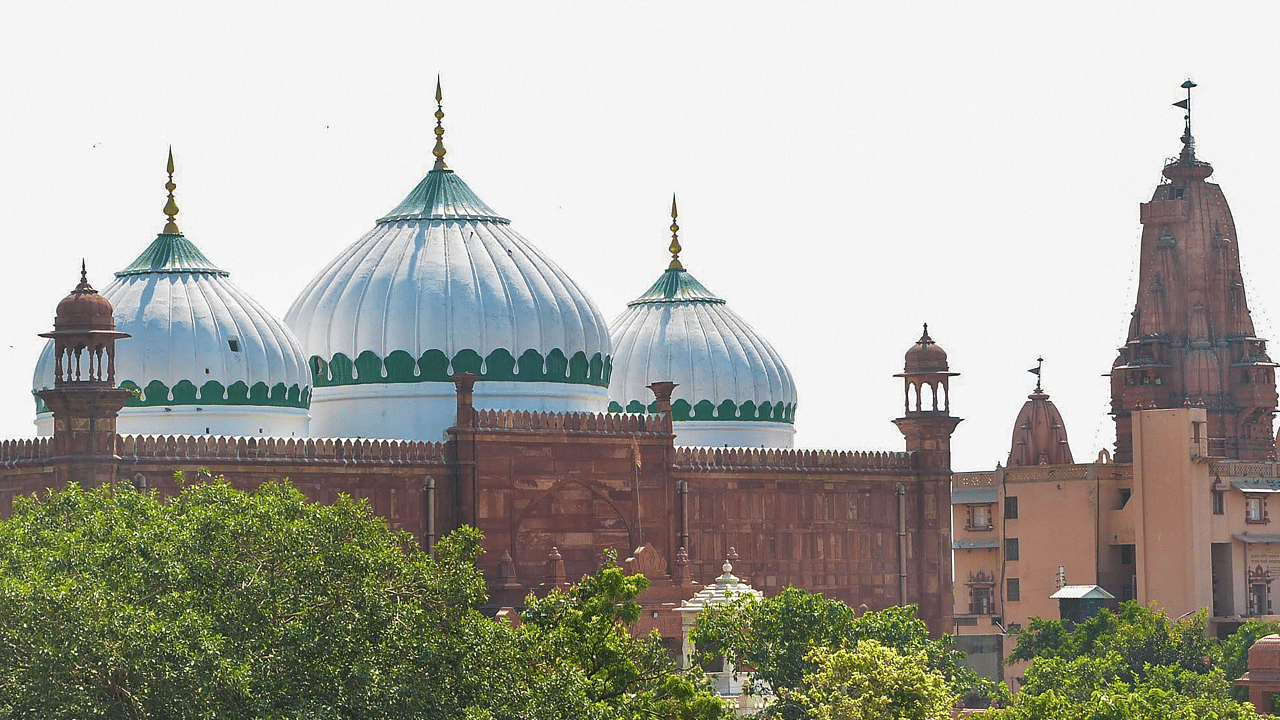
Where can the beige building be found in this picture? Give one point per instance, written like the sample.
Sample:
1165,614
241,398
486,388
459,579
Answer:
1180,518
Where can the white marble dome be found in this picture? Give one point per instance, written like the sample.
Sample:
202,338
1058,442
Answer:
442,284
732,386
203,357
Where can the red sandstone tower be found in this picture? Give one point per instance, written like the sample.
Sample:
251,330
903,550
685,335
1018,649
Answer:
926,426
84,398
1191,338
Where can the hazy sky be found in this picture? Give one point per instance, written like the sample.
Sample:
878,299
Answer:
846,171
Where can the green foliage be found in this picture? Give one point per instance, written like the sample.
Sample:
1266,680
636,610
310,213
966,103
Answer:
587,626
872,682
776,636
1233,653
1140,635
1134,663
217,603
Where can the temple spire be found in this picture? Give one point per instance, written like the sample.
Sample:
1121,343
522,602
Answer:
1036,371
675,238
1188,142
439,150
170,206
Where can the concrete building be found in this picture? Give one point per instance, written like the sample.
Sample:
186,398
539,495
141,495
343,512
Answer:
1179,515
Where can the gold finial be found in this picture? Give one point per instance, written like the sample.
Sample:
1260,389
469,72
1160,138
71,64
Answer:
439,149
171,207
675,238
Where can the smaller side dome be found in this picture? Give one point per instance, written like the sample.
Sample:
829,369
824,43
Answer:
1039,433
84,308
731,387
925,356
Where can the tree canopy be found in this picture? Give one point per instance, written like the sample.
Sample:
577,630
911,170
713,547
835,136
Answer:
777,637
217,603
872,682
1133,663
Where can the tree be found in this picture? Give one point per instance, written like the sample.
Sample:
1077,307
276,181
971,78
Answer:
776,636
872,682
1141,636
1134,663
217,603
587,626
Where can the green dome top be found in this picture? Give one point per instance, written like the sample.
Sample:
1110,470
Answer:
674,286
442,195
171,253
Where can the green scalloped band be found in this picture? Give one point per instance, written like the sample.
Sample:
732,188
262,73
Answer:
184,392
434,366
747,411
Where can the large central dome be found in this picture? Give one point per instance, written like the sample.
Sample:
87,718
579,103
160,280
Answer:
442,284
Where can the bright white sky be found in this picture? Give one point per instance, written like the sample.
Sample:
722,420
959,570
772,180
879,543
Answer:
846,171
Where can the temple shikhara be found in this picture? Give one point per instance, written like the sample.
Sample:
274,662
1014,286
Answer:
448,371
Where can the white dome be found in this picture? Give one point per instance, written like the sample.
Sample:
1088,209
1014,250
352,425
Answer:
202,356
440,285
732,387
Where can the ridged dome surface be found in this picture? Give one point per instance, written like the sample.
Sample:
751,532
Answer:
1039,434
732,386
442,284
203,356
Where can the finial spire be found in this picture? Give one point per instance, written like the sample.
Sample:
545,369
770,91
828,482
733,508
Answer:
1036,371
924,336
171,207
1188,142
439,150
675,238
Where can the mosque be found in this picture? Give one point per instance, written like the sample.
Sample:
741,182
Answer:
447,370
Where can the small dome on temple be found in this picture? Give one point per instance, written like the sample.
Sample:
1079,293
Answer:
1039,434
925,356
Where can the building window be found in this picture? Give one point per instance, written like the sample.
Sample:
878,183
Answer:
979,517
1219,505
1013,590
1126,554
233,344
1011,548
980,604
1125,494
1010,508
1254,510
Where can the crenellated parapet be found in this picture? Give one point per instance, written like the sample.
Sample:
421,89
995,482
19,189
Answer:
570,422
708,458
32,451
323,451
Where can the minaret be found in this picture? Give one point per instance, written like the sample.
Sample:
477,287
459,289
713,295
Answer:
84,398
927,423
1191,340
924,537
1039,434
